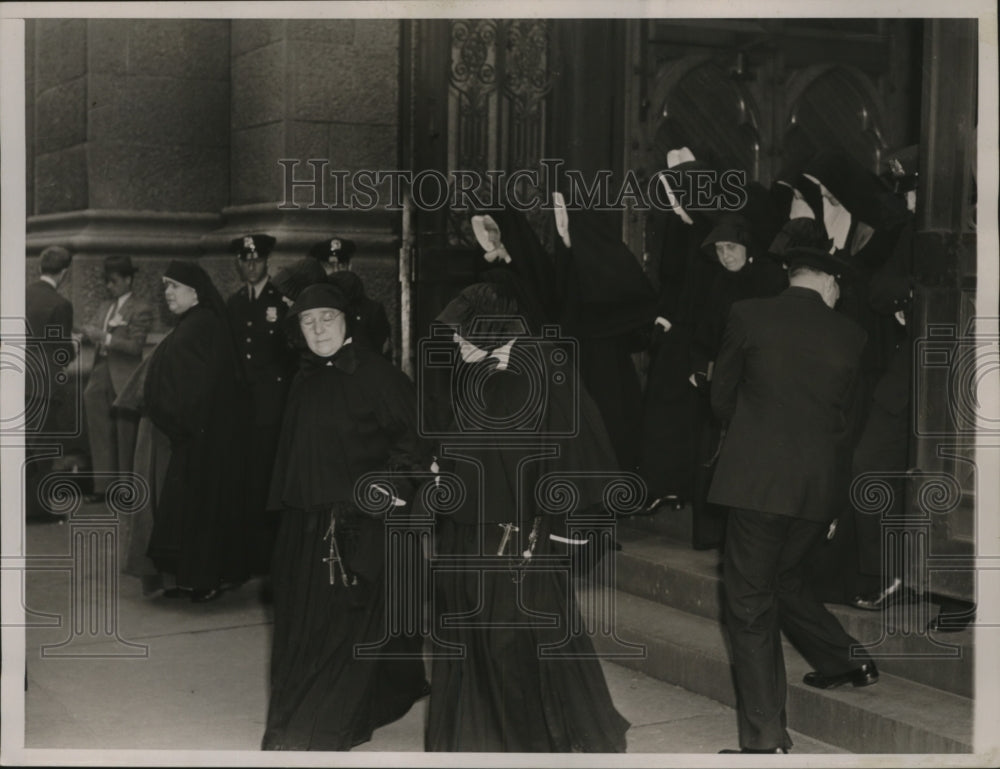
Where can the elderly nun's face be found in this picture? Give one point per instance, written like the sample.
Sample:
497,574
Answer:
324,329
732,256
180,298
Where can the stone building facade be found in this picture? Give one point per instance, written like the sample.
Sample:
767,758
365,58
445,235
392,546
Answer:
159,138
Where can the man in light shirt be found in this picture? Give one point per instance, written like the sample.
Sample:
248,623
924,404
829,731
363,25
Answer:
118,332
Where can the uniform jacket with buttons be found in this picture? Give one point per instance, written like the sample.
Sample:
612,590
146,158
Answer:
268,362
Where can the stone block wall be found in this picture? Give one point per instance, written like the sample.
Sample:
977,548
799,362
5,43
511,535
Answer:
160,138
158,114
60,115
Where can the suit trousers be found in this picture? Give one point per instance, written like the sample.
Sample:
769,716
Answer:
765,594
112,435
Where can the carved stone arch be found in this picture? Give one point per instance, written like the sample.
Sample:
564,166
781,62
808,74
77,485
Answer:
833,106
696,103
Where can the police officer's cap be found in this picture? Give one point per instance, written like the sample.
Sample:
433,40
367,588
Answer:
256,246
333,247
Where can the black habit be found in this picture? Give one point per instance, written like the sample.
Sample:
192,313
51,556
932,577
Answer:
504,693
347,415
193,394
608,305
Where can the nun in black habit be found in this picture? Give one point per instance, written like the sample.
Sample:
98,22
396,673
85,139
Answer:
673,239
195,395
514,257
608,305
503,693
349,412
864,221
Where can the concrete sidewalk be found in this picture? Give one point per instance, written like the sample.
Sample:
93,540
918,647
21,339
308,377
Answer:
188,676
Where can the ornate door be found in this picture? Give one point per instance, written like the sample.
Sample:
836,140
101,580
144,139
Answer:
479,101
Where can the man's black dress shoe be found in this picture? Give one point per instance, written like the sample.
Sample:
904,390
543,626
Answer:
666,501
866,675
204,596
952,621
755,750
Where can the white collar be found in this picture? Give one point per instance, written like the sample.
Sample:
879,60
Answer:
258,287
674,203
120,301
502,354
48,279
472,354
329,358
836,218
562,218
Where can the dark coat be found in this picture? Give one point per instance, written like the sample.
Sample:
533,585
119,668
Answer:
670,402
356,415
609,306
46,308
267,359
343,420
368,322
49,316
762,277
192,395
786,383
50,404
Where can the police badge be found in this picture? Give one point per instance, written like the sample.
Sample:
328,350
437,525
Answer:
272,315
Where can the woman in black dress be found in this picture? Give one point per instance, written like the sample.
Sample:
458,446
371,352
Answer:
349,412
194,395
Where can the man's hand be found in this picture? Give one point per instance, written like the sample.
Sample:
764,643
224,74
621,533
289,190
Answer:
93,334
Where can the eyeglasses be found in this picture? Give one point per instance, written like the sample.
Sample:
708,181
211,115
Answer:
322,320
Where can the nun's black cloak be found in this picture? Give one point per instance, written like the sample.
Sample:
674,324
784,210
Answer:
347,415
530,275
608,306
369,323
668,407
195,395
877,221
504,694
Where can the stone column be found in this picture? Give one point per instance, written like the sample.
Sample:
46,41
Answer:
130,139
313,89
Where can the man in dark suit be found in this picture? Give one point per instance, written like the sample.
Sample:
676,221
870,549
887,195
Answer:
49,318
118,332
786,384
256,313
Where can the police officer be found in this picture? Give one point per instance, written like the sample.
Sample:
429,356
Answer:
368,322
256,312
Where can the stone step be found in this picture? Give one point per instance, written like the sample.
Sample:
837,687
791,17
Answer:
677,525
674,575
894,716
